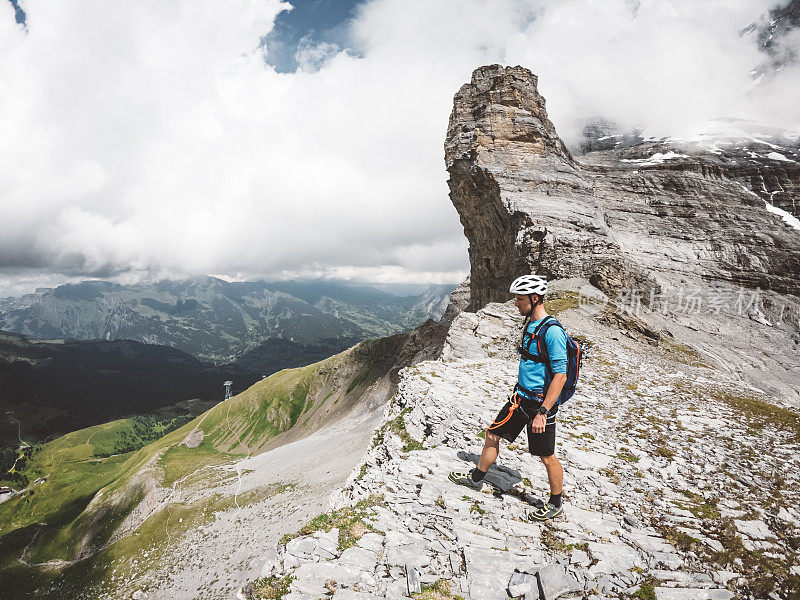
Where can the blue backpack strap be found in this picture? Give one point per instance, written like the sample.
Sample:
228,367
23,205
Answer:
573,363
548,320
526,352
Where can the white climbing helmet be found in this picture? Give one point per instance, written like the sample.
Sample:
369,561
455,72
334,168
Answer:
529,284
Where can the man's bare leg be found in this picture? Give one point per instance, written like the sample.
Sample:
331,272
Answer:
474,478
491,448
555,474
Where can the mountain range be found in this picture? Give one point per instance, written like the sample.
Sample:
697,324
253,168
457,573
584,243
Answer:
215,320
158,343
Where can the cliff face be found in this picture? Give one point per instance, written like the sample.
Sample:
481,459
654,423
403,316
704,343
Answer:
528,206
679,239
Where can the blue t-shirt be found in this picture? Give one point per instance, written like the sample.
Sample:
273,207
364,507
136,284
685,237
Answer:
531,374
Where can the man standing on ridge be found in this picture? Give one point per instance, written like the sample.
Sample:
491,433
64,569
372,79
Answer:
529,407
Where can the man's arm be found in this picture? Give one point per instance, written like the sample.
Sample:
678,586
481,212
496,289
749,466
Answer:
540,421
553,392
556,341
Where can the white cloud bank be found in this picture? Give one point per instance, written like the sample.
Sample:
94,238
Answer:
149,139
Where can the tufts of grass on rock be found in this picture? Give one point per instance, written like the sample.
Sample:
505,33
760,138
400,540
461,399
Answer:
555,302
665,452
441,590
760,413
700,507
646,591
398,427
351,522
268,588
682,541
626,455
477,508
765,574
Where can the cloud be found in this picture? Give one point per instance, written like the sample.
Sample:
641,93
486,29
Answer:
312,57
153,139
667,66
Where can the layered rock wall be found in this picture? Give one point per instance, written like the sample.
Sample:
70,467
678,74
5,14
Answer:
528,206
694,253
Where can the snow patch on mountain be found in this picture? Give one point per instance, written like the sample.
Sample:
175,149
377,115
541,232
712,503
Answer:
656,159
788,218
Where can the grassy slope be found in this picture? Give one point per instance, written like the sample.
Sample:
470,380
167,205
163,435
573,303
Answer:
85,497
71,469
263,411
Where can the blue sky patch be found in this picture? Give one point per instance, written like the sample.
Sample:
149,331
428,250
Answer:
310,22
19,15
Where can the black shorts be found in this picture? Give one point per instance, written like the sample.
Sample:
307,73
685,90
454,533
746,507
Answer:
509,427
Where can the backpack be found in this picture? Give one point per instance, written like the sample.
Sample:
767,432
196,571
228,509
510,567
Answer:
573,356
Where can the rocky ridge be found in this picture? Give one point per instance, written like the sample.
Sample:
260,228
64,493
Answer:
680,483
682,242
528,205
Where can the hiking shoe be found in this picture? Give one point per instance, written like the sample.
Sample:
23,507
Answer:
465,478
548,511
